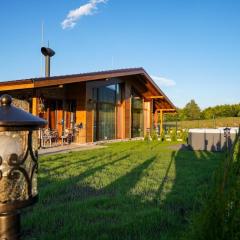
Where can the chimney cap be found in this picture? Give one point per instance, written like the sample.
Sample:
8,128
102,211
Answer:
47,52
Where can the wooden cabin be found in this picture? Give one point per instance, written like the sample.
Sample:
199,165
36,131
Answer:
96,106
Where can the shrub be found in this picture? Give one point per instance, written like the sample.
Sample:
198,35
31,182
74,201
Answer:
154,136
173,135
162,136
147,137
184,135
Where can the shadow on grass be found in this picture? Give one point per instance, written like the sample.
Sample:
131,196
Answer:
78,210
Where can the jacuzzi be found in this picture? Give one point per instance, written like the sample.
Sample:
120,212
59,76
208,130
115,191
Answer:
210,139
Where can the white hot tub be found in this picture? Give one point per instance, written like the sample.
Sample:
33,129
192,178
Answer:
210,139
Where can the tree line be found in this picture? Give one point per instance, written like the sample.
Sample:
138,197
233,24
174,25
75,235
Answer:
193,112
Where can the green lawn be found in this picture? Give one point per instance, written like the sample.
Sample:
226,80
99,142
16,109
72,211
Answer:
130,190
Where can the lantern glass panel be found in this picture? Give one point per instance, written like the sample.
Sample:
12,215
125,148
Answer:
18,166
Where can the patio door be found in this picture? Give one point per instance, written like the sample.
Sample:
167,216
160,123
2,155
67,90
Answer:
105,112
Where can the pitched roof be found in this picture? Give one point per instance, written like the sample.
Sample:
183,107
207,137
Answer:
83,77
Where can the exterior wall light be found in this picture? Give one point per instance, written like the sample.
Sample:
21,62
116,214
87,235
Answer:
18,165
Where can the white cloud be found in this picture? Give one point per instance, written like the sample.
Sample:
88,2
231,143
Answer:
163,82
84,10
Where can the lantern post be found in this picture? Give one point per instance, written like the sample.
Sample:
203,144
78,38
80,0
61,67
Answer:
18,165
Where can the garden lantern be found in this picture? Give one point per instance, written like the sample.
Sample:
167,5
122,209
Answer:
18,165
227,132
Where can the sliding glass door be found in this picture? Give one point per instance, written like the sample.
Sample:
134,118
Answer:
105,112
106,129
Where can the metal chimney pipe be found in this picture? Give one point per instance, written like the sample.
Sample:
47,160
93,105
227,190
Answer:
47,66
48,53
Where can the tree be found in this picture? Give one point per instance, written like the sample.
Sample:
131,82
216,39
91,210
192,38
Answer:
191,111
221,111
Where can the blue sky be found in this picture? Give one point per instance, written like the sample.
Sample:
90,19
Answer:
191,47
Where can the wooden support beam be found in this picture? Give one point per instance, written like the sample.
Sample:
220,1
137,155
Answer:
156,97
167,110
16,87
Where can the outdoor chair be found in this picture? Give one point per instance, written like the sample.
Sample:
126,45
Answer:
54,136
67,137
49,136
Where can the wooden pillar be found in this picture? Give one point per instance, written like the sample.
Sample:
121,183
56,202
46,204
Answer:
147,117
89,111
59,117
81,119
34,102
161,121
34,106
81,115
151,115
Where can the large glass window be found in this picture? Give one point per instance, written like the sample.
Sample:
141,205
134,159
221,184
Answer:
105,99
137,115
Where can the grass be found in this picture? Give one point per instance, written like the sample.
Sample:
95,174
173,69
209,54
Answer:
209,123
131,190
